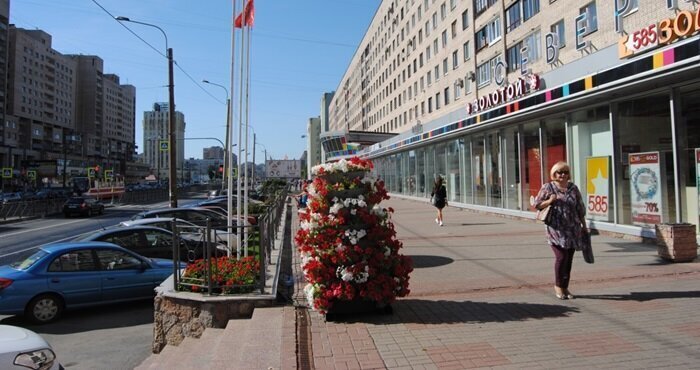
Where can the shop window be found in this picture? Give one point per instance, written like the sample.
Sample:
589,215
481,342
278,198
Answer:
510,146
452,173
591,160
478,173
689,144
466,169
645,183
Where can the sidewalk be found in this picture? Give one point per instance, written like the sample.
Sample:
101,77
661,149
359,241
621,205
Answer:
482,296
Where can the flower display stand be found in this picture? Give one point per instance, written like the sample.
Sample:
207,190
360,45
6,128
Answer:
676,242
347,243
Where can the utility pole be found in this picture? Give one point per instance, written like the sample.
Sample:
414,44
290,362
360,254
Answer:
171,125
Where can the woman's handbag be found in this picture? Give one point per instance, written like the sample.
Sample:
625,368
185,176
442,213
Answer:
544,215
586,247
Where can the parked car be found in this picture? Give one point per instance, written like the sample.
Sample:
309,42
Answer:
197,216
22,348
77,274
149,241
83,206
186,228
11,198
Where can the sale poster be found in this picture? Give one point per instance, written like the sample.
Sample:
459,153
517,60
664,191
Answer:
645,184
598,188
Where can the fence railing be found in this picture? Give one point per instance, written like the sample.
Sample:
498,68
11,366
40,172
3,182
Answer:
208,274
31,208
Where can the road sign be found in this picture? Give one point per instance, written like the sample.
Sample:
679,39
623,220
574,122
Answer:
31,175
6,172
109,175
91,172
164,145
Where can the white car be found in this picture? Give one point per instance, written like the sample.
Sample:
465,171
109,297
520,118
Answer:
188,229
24,349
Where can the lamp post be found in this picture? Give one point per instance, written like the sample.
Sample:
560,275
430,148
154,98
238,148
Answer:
172,151
227,147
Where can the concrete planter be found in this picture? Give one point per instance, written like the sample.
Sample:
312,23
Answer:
676,242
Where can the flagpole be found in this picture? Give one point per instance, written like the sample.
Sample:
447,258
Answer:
240,132
247,95
230,131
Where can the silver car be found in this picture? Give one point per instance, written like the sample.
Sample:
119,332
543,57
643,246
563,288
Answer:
21,348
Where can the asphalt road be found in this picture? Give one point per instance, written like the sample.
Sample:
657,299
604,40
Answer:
106,337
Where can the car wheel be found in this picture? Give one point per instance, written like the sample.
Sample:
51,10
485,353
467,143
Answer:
44,309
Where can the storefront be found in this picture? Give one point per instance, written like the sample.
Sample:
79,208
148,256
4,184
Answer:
630,132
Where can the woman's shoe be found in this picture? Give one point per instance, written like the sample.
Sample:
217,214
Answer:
559,293
437,221
568,295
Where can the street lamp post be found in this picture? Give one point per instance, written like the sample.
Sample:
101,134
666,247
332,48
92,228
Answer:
227,147
172,151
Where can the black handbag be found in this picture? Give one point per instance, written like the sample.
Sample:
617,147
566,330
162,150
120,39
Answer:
586,247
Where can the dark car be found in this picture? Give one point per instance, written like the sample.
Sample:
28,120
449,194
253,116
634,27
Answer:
197,216
83,206
77,274
148,241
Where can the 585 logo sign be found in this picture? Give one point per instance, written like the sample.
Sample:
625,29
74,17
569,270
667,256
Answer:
665,32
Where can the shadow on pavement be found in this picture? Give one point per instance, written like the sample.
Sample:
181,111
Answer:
643,296
425,261
631,247
416,311
483,223
95,318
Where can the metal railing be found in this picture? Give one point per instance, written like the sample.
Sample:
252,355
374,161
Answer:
31,208
258,242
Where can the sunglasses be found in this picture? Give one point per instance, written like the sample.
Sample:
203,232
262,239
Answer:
562,172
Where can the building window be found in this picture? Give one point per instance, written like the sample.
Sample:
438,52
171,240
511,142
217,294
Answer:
427,53
458,88
443,11
560,30
444,38
591,17
466,51
435,46
430,105
530,8
488,34
483,74
455,59
453,4
453,28
465,19
437,72
430,79
482,5
513,57
437,101
446,93
435,20
444,66
532,41
513,18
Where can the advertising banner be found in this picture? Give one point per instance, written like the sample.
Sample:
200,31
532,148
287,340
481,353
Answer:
285,168
598,188
645,184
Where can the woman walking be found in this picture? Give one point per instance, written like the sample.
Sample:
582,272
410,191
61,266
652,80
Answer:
439,196
565,231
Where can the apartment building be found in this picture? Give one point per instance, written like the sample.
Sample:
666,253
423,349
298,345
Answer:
313,143
489,94
156,138
214,152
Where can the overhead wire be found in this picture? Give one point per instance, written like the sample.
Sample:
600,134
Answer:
158,51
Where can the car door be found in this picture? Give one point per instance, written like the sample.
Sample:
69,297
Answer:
159,242
123,276
75,275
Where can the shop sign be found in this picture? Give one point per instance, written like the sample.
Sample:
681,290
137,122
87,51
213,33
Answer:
512,91
645,183
684,24
598,188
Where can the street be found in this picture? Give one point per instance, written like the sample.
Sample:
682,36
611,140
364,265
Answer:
114,336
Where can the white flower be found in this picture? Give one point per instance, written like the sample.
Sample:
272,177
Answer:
387,251
340,248
378,211
353,211
344,274
335,208
310,292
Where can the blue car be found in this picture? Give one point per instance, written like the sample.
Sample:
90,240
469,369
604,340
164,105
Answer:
77,274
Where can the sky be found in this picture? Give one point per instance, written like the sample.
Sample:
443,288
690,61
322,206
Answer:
299,50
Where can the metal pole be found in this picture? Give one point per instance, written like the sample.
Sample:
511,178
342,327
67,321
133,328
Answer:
247,88
230,131
254,167
240,146
171,126
227,148
65,155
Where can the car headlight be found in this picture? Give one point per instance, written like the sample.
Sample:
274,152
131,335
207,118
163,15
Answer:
40,359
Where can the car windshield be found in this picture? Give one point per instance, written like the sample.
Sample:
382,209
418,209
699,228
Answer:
29,261
75,200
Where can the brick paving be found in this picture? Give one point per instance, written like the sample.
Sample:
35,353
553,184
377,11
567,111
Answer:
482,296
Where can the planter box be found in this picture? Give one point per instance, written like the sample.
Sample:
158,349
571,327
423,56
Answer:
676,242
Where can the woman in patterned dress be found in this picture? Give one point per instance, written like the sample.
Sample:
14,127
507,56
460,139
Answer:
567,226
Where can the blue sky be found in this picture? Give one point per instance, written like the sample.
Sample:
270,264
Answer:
300,49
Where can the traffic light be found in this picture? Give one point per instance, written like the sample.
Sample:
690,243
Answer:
221,168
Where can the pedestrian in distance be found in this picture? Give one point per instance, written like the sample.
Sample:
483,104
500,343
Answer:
567,226
439,198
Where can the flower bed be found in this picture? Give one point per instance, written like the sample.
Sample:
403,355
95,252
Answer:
347,241
228,275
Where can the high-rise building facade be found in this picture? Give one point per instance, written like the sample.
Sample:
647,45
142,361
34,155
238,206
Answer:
313,142
325,119
489,94
5,123
156,139
214,152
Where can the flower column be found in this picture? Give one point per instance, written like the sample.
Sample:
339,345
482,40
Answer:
347,241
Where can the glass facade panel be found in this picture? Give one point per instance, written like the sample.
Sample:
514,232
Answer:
493,162
429,168
420,171
440,162
411,174
590,160
689,140
636,121
532,167
453,174
478,163
555,143
511,173
400,171
466,161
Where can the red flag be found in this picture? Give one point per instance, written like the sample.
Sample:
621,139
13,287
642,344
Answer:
249,11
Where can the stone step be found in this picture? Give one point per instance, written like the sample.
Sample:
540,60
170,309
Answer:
191,353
